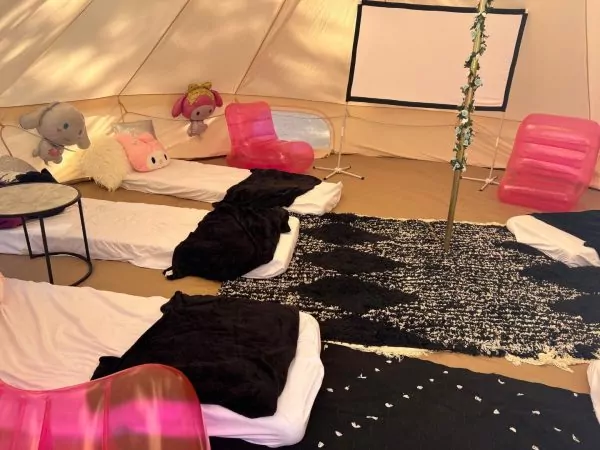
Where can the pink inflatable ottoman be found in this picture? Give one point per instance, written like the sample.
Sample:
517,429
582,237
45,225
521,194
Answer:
552,162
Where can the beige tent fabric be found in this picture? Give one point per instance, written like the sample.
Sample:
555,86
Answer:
124,60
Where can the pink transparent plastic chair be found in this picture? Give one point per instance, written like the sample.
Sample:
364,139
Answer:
255,144
552,162
146,407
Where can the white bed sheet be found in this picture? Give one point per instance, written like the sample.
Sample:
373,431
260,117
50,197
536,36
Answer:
551,241
593,374
209,183
52,337
142,234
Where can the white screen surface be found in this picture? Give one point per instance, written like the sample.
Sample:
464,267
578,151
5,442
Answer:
415,57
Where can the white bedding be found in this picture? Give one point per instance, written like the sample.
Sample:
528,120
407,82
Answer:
141,234
593,374
209,183
52,337
551,241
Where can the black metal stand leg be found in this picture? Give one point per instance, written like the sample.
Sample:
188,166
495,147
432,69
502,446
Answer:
24,222
46,252
84,232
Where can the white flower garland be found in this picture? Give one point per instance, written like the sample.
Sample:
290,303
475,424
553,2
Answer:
464,130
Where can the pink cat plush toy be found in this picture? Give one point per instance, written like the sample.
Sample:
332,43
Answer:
197,104
144,152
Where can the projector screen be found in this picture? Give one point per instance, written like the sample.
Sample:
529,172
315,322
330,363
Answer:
414,55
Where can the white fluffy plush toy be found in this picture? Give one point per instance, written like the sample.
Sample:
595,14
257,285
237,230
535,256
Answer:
59,125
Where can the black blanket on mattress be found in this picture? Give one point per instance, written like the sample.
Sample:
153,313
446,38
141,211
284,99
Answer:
229,242
267,188
235,352
584,225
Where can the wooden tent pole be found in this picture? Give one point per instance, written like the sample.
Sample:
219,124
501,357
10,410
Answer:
464,130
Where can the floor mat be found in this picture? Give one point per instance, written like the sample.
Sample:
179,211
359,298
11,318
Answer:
384,282
373,403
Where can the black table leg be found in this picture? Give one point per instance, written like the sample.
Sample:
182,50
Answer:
24,222
84,232
46,252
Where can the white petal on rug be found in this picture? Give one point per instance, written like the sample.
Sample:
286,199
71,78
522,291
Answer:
338,434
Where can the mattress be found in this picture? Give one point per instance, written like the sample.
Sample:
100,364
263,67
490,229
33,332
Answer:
593,374
141,234
209,183
52,337
551,241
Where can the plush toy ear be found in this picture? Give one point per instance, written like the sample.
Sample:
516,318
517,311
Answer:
178,106
31,120
84,140
218,98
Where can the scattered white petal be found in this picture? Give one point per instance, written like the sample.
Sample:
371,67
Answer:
537,413
575,394
405,396
373,417
557,429
513,429
431,380
500,381
347,388
320,445
420,388
377,370
575,439
446,372
458,386
355,425
329,390
338,434
535,447
478,398
496,411
520,395
389,361
388,405
362,377
326,346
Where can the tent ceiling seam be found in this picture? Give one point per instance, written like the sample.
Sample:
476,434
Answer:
77,16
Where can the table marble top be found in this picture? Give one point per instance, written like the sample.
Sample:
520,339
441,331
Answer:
28,199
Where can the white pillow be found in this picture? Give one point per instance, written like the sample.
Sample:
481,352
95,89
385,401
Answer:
106,163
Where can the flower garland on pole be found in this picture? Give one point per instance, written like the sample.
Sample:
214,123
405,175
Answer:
464,130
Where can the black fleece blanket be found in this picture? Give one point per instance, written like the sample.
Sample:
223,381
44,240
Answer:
370,402
267,188
229,242
235,352
585,225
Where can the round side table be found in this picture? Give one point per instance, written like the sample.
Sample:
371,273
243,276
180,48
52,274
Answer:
29,201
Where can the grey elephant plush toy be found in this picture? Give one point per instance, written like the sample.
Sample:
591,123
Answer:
59,125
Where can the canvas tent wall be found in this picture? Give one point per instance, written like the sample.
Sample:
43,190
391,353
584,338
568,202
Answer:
127,59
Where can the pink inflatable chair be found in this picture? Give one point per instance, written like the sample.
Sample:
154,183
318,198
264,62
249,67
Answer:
255,144
146,407
552,162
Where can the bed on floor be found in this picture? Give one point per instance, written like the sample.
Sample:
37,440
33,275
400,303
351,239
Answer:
53,336
142,234
571,238
210,183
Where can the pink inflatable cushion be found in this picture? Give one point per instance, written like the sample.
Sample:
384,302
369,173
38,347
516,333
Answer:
146,407
255,144
552,162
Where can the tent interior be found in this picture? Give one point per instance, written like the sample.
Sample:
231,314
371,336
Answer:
125,61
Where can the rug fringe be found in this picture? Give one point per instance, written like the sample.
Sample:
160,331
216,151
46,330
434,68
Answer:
389,352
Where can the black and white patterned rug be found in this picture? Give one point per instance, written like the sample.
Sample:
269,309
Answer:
370,402
385,282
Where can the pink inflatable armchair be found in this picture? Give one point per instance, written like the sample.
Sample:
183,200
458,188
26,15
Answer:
146,407
255,144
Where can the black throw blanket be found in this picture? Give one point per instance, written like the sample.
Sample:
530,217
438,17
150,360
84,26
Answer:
267,188
369,402
585,225
229,242
235,352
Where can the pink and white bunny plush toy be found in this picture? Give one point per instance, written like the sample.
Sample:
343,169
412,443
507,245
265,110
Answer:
197,104
144,152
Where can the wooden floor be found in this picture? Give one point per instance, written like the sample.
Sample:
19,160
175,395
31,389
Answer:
392,188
